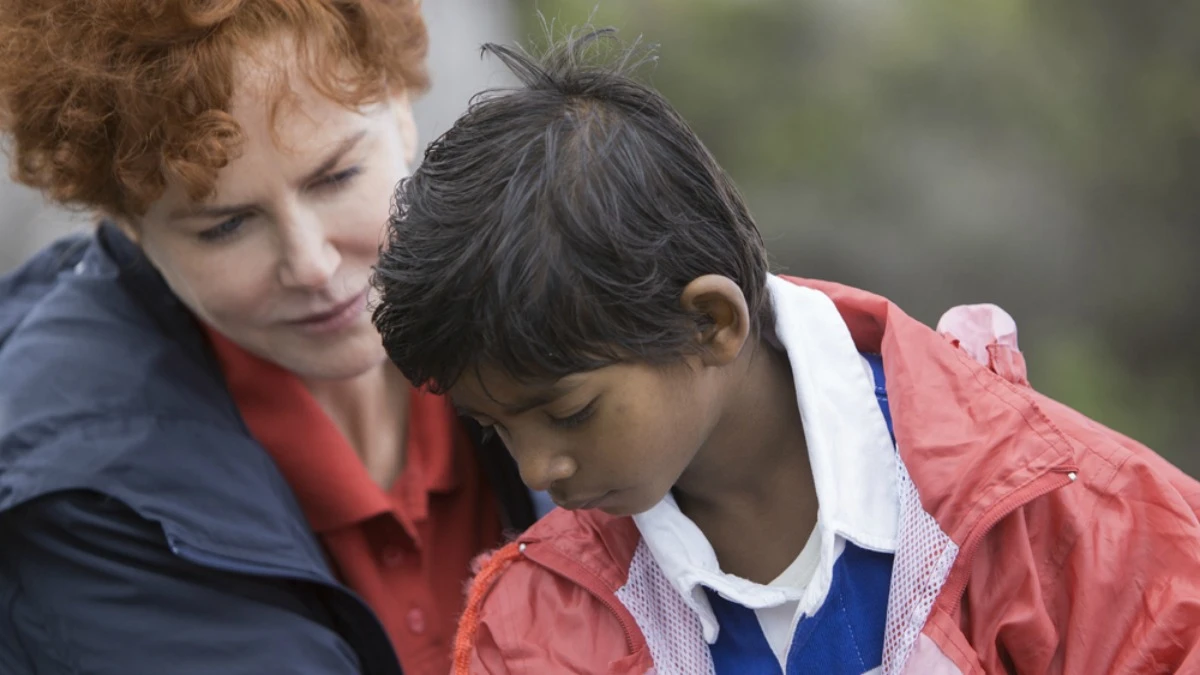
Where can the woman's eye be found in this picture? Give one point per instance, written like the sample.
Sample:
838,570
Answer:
224,230
336,180
575,419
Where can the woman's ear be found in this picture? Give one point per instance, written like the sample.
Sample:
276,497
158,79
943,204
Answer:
726,325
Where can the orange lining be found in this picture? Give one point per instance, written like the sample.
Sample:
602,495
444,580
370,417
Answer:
491,565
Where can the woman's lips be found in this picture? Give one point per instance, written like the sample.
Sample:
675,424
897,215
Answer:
334,319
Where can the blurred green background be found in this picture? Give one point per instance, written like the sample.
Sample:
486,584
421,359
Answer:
1044,156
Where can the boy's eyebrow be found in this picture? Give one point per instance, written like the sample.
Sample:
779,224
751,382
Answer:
537,400
547,395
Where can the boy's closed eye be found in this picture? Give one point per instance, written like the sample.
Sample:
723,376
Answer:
574,419
568,420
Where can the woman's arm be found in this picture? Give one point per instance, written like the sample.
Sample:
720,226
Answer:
88,586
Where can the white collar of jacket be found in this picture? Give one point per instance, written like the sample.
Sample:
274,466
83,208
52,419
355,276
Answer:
850,450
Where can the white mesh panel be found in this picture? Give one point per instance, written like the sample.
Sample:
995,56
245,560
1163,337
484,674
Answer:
924,555
671,628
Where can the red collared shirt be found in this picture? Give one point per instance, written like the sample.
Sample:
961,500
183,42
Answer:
406,550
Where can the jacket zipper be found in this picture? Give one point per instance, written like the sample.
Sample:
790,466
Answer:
597,590
1058,477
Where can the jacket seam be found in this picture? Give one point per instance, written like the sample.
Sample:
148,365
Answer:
1107,495
62,426
1105,488
990,382
596,571
949,646
95,421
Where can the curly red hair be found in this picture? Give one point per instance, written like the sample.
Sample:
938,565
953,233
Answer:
105,102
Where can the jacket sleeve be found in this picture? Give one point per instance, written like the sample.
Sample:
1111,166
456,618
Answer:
1131,575
88,586
1111,586
1134,577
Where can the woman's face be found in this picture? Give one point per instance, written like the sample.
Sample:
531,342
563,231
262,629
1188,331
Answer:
279,258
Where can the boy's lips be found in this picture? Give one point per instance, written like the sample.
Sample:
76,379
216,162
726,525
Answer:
589,503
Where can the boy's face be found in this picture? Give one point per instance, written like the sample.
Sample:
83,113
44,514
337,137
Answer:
615,439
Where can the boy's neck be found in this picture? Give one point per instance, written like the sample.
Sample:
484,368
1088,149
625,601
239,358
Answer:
750,488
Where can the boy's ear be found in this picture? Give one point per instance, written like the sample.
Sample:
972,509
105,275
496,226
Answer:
726,325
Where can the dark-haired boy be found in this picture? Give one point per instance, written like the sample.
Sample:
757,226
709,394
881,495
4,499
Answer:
575,269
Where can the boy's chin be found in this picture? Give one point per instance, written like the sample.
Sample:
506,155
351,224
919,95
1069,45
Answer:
621,505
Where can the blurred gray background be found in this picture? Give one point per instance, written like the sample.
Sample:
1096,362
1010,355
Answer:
1040,155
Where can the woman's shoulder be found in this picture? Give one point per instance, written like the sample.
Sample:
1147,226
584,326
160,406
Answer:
76,339
99,381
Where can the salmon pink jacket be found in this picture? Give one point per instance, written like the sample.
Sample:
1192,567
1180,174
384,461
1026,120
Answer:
1032,539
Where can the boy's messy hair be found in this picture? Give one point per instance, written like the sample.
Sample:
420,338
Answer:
553,228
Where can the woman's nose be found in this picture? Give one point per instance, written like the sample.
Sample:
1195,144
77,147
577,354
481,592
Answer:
310,260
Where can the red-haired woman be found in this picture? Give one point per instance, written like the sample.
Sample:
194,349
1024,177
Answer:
207,464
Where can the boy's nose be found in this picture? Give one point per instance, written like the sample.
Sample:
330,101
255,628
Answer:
541,474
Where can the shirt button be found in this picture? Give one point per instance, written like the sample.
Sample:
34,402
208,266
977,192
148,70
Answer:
416,621
393,556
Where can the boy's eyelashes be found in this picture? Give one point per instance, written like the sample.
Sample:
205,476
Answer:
571,421
574,419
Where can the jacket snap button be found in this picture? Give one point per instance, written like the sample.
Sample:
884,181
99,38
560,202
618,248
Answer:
416,621
393,556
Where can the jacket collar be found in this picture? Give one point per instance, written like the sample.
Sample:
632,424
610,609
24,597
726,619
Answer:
967,437
850,452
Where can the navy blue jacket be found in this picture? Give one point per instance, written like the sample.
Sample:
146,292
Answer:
142,528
